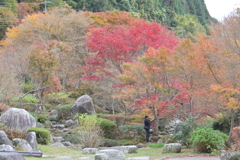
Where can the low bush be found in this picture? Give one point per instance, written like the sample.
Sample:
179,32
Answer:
72,138
59,97
185,131
43,135
42,118
108,127
27,99
64,111
222,124
110,143
135,132
207,140
15,133
89,133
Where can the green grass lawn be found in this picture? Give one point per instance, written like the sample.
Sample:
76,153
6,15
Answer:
153,153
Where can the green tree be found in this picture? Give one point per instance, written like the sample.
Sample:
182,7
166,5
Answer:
7,19
188,26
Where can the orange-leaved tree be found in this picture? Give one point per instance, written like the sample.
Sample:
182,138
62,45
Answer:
43,65
150,82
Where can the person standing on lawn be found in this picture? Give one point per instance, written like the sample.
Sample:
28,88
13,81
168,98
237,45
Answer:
147,123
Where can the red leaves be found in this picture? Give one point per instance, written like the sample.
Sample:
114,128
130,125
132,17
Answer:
120,44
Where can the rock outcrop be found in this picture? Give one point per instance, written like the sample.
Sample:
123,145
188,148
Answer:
16,118
83,104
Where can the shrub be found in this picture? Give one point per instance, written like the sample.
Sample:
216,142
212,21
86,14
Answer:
72,138
156,145
116,118
14,133
222,124
29,98
110,143
90,134
185,132
64,111
132,131
108,127
48,106
42,118
58,97
207,140
43,135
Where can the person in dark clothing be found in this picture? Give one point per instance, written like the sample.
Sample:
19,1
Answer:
147,123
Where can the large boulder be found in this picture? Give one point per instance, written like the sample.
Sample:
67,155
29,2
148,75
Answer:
32,140
11,156
16,118
4,139
83,104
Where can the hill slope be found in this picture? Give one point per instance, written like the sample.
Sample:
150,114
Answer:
162,11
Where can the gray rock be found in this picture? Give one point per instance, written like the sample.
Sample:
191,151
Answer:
66,130
69,123
140,145
67,144
59,126
129,149
83,104
85,158
172,148
24,146
112,154
47,156
139,158
57,139
6,148
48,124
90,150
4,139
53,115
58,144
32,140
11,156
63,157
101,156
16,141
16,118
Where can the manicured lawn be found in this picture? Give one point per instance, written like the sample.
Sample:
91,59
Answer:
154,153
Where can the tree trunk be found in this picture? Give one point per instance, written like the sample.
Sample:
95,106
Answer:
156,121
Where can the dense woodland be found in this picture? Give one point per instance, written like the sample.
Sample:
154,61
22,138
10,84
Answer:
163,58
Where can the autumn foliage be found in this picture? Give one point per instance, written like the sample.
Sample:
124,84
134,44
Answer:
113,47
